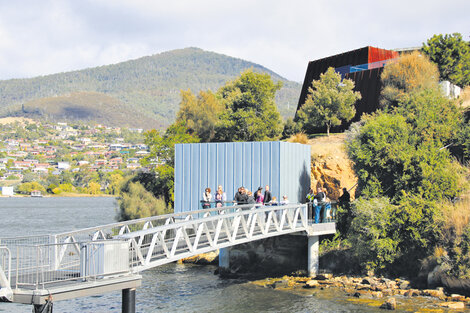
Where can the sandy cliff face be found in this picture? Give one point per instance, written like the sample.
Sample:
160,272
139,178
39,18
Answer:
331,168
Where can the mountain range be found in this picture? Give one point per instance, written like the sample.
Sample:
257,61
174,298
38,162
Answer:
143,93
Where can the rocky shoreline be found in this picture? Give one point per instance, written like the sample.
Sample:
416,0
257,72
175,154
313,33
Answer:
382,292
390,294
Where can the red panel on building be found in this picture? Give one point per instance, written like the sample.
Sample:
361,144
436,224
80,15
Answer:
377,54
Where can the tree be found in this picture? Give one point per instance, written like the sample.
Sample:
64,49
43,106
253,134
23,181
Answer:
290,128
137,202
411,73
401,153
452,55
250,112
26,188
330,101
163,149
115,181
391,238
94,188
200,113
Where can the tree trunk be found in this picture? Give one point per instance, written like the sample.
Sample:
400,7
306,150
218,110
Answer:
328,129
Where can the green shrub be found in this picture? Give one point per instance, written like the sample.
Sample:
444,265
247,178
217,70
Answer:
392,239
139,203
369,233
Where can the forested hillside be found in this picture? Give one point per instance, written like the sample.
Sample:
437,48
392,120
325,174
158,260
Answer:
148,86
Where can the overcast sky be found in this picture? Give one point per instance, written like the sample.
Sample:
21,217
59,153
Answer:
41,37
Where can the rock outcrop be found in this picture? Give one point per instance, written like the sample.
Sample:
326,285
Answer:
331,168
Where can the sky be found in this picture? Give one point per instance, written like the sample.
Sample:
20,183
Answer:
50,36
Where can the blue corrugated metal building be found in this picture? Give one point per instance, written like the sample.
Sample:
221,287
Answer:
284,166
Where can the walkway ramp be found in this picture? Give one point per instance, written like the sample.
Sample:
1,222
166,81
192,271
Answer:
110,257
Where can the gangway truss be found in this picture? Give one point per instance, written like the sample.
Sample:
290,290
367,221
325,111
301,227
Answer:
110,257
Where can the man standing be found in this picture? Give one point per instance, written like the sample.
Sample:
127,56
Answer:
267,195
310,197
320,198
241,197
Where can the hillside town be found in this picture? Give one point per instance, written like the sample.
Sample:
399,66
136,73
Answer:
64,157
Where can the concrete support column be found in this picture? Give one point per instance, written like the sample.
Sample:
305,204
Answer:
224,259
128,300
312,261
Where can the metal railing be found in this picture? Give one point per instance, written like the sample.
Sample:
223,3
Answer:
164,244
37,266
39,261
5,262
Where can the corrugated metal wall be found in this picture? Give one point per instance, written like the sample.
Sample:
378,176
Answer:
285,167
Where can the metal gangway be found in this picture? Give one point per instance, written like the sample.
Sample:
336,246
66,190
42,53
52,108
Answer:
110,257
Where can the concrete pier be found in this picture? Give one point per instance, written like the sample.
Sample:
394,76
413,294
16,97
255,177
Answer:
224,259
312,260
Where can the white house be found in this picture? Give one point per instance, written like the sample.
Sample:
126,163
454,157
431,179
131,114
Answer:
63,165
7,191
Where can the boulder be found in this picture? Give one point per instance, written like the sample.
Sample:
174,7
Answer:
390,304
377,294
452,305
311,284
456,297
363,287
203,258
367,281
391,284
434,277
436,293
404,285
323,276
412,293
279,284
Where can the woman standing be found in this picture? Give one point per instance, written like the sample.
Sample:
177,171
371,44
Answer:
220,197
206,198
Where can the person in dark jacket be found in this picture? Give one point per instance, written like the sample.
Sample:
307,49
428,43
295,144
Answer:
257,193
241,197
250,198
319,201
345,198
267,195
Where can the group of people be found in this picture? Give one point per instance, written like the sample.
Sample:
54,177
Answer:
319,206
242,196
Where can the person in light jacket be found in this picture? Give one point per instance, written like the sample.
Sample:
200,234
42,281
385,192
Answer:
206,198
220,197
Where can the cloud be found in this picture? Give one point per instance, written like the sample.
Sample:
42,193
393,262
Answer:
44,37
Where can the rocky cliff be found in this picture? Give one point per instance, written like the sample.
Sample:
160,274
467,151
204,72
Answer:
331,167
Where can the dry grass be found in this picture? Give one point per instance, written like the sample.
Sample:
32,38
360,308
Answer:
299,138
464,98
457,215
12,120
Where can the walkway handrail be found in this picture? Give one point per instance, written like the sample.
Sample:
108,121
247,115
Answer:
258,208
5,278
167,243
150,219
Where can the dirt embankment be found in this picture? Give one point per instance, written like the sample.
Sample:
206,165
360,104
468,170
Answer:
331,167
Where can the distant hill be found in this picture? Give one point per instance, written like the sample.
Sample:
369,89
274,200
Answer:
138,93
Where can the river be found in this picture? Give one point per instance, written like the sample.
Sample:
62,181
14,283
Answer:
170,288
